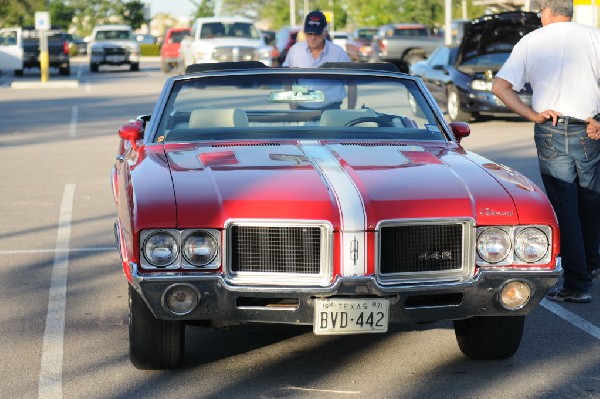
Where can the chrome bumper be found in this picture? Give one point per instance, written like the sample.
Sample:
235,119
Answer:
422,302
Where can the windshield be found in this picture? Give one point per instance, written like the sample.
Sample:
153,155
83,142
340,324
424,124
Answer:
177,36
211,30
284,105
114,35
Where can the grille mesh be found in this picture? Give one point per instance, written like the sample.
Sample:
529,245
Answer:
234,54
425,248
268,249
114,51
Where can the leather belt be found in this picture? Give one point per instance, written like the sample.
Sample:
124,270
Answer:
569,120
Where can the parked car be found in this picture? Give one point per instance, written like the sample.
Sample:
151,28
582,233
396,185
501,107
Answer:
339,38
20,50
269,36
114,45
235,206
77,46
146,38
170,57
222,39
359,46
460,78
404,44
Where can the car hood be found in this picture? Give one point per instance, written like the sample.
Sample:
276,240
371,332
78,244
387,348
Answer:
497,33
349,185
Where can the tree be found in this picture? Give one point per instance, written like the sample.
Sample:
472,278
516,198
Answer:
61,14
19,12
133,14
203,8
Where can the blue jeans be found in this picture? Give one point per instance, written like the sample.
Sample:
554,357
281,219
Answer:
570,167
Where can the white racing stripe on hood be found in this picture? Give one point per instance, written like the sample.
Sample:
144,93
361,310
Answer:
350,205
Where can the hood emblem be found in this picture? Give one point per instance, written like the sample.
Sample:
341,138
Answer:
493,212
354,250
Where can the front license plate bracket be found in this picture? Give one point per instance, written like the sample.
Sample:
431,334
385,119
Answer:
335,316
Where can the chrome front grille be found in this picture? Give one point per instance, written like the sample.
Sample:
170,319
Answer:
115,51
425,250
234,53
281,253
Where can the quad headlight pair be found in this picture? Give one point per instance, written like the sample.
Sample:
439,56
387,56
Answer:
174,249
505,245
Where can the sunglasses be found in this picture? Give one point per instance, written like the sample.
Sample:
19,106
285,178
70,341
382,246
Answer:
539,14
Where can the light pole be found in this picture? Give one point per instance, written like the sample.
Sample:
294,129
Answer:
293,12
448,22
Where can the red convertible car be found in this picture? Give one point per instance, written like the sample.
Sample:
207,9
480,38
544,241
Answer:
335,197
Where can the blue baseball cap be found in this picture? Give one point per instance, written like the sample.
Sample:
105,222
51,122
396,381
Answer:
315,22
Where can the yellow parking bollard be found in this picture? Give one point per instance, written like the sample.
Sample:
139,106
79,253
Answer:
44,65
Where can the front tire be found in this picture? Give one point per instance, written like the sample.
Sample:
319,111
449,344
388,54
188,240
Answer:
165,67
455,111
135,66
492,337
93,67
153,344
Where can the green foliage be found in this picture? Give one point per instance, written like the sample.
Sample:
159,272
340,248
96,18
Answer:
61,14
206,8
133,13
19,12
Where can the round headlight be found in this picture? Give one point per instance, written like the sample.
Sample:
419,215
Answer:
160,249
493,245
531,245
200,248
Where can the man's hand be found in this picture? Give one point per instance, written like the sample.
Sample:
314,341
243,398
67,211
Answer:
543,116
593,129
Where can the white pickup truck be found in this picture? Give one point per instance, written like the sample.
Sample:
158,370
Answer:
113,45
11,49
219,39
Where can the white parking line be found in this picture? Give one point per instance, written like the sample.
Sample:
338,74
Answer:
50,382
571,318
41,251
73,124
323,390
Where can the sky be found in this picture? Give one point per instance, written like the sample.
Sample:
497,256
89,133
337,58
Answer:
177,8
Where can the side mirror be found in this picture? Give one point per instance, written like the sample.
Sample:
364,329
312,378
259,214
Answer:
131,132
460,130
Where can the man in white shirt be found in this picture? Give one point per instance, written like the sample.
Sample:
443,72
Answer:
561,61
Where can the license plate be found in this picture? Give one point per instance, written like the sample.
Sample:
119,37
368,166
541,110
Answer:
115,58
350,316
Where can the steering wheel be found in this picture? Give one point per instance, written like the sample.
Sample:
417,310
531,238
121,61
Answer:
382,121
